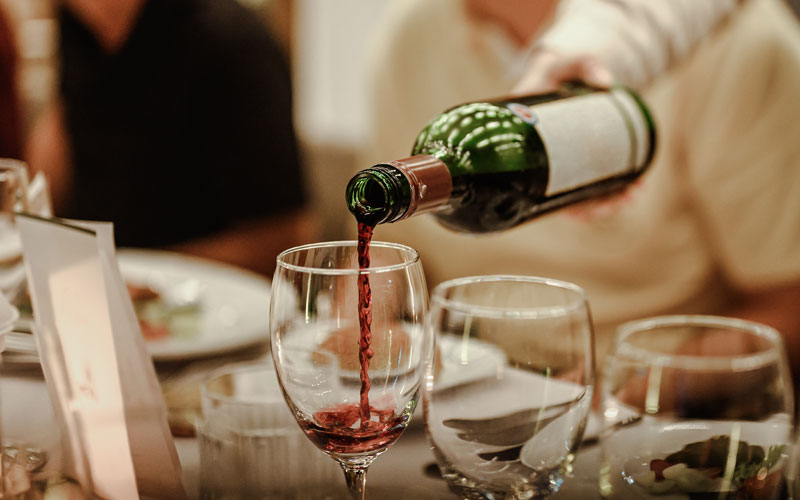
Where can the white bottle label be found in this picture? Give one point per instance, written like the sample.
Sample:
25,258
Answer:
591,137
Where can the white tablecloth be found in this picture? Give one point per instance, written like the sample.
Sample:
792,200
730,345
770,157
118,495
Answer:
400,473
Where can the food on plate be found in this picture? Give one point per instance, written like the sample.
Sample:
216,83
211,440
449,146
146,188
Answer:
149,310
388,350
142,293
160,318
709,467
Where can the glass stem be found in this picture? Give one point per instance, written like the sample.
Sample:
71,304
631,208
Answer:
356,478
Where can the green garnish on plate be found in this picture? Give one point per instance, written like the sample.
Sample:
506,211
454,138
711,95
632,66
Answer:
699,470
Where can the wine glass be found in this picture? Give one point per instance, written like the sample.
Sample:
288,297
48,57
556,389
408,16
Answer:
13,198
507,399
354,407
697,406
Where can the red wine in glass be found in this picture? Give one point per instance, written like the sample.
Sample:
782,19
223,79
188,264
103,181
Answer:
352,425
333,429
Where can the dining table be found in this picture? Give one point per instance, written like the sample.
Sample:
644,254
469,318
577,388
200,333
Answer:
407,470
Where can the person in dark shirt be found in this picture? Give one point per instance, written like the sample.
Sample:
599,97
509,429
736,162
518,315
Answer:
175,122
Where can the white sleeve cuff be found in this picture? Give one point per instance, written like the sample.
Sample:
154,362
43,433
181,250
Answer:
635,39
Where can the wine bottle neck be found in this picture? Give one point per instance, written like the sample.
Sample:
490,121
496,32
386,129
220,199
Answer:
378,194
398,189
429,182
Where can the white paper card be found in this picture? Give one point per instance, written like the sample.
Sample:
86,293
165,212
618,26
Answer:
99,374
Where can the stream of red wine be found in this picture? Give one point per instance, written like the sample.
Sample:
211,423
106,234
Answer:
364,317
332,428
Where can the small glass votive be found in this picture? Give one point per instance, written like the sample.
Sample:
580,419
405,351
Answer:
13,198
250,444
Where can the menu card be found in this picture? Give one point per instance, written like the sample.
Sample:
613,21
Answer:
101,380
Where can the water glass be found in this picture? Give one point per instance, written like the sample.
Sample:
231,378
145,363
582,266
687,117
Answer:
251,445
13,198
697,407
13,186
507,399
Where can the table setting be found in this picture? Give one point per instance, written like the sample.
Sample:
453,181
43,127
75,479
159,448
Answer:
134,373
412,467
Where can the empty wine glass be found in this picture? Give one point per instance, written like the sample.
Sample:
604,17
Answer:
354,407
13,186
507,399
696,407
13,198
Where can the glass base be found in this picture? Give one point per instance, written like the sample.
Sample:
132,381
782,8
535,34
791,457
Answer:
539,485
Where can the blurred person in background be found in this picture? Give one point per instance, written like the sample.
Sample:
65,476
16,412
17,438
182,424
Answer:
11,142
713,227
175,123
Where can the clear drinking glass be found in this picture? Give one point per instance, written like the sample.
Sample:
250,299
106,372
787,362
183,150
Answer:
696,407
13,186
250,445
13,198
314,314
509,393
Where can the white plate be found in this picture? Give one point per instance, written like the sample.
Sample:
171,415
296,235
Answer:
8,315
234,303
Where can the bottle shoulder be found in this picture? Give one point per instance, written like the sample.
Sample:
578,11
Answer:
475,137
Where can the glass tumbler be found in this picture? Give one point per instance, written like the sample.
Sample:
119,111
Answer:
250,444
13,198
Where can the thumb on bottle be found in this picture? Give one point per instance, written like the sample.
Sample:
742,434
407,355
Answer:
547,69
595,73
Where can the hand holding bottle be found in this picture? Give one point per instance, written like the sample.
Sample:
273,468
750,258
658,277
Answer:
549,68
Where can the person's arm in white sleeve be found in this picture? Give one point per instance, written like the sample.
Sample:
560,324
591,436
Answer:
633,40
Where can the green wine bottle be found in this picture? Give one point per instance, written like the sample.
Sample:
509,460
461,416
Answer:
489,166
